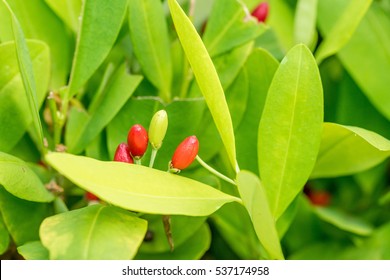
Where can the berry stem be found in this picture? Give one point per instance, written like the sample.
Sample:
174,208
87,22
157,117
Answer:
137,161
153,157
215,172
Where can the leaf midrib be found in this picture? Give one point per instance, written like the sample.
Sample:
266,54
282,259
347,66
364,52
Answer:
89,235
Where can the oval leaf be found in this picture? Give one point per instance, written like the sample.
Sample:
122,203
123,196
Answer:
305,22
290,128
150,39
255,200
94,232
140,188
207,78
100,24
33,251
19,180
346,150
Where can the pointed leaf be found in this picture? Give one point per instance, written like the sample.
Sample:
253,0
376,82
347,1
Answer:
4,236
346,150
19,180
94,232
290,128
140,188
150,39
305,22
206,77
255,201
100,24
33,251
68,11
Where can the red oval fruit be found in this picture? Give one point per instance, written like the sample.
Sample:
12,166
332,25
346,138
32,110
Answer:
122,154
185,153
261,12
137,139
319,197
91,197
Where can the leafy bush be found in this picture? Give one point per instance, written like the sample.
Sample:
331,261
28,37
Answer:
291,115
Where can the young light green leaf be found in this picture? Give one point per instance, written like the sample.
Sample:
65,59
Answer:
140,188
206,77
4,236
290,128
346,150
255,201
343,221
68,11
22,217
305,22
33,251
229,25
95,232
19,180
14,109
100,24
118,91
27,73
150,39
343,29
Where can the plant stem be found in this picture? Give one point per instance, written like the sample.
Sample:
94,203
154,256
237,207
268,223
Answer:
153,157
215,172
137,161
54,117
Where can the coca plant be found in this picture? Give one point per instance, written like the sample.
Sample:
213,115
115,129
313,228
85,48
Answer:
287,119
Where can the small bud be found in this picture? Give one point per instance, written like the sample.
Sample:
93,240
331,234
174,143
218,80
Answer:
122,154
261,12
137,139
157,129
185,153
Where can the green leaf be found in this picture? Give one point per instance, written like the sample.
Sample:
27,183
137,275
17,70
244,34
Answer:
343,29
94,232
290,128
22,217
193,249
259,71
346,150
229,25
68,11
33,251
343,221
119,90
305,22
27,74
140,188
206,77
182,228
4,236
45,27
19,180
14,108
100,24
150,40
255,201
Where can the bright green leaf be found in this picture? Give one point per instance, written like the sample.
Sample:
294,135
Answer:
346,150
22,217
14,109
140,188
343,29
68,11
343,221
255,201
206,77
19,180
94,232
150,39
33,251
4,236
305,22
100,24
119,90
229,25
290,128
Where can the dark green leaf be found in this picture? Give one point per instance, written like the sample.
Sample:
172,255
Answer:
4,236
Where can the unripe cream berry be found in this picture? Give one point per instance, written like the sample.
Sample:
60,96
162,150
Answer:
185,153
158,128
137,139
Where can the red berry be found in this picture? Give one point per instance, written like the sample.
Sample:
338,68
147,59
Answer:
122,154
91,197
261,12
319,198
137,139
185,153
